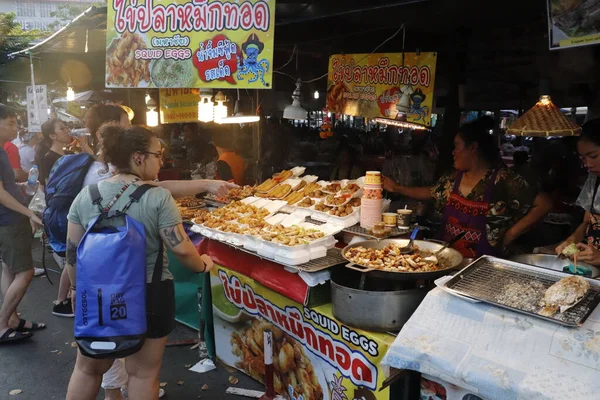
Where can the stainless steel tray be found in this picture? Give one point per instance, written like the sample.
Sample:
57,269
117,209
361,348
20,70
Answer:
485,278
360,231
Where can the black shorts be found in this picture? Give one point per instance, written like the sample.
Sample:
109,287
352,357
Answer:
160,310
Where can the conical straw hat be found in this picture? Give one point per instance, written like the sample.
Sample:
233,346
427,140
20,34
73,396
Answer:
544,119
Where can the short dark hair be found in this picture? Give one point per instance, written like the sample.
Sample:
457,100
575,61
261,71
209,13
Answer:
520,157
7,112
478,131
590,131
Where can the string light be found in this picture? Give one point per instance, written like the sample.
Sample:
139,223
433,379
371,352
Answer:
400,124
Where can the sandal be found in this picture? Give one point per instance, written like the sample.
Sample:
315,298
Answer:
13,336
35,326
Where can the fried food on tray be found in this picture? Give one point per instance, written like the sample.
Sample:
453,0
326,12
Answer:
293,197
563,295
333,200
291,365
355,202
190,201
290,236
299,186
342,211
121,66
279,192
307,202
317,194
333,187
266,186
283,176
322,207
311,187
241,192
350,189
390,259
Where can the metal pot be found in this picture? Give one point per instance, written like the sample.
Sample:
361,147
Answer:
453,259
552,262
372,310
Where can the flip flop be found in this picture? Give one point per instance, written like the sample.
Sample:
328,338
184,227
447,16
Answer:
13,336
35,326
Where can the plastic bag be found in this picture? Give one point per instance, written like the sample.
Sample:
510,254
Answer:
38,202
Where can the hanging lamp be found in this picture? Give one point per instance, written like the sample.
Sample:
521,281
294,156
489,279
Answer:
151,114
295,110
544,119
205,106
220,109
238,117
70,91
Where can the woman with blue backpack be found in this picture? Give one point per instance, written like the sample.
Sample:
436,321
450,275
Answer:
125,304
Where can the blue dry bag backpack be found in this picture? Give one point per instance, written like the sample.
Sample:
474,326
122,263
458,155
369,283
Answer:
64,184
110,312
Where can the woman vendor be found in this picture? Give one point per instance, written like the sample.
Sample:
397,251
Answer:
488,201
587,234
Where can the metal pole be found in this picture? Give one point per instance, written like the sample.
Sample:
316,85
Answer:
36,111
258,140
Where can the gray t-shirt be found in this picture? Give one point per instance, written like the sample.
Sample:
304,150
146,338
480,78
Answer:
156,210
585,200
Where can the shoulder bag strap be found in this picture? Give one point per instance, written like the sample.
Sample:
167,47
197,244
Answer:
96,197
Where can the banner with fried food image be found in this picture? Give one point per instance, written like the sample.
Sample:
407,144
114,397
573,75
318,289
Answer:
190,44
385,85
315,357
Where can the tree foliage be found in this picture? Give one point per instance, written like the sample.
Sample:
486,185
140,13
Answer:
67,11
13,37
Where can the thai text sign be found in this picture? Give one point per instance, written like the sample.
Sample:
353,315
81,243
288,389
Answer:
315,356
190,43
178,105
382,85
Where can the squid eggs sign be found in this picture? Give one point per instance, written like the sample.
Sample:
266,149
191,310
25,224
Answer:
321,320
359,340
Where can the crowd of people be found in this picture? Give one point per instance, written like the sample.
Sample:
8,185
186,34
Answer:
120,159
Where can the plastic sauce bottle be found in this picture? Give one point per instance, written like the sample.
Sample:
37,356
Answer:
32,180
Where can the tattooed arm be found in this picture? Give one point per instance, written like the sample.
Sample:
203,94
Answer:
74,234
183,249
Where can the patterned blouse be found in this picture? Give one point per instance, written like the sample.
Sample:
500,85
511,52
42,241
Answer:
512,197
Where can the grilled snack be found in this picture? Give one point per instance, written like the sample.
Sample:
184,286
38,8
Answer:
333,188
355,202
563,295
190,201
266,186
390,259
350,189
299,186
332,200
241,192
317,194
293,197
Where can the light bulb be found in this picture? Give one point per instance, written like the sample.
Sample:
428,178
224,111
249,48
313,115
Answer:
205,110
316,94
220,111
151,117
70,94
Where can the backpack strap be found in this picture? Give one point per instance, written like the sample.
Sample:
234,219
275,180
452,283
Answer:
137,195
96,196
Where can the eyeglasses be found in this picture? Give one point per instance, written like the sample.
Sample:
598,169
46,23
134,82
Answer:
159,155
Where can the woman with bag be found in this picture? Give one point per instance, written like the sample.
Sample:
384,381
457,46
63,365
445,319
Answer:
136,154
587,234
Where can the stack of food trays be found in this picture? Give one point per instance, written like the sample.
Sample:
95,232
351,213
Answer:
189,207
287,239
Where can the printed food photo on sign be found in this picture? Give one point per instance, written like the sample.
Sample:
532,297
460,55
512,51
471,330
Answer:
190,43
395,86
122,67
315,357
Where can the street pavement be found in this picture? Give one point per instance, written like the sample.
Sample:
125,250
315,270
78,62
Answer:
41,367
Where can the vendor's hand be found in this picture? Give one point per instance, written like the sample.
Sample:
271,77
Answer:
208,263
509,237
390,185
561,247
588,254
219,188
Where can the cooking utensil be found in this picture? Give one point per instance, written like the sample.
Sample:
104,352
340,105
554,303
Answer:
553,262
486,279
450,258
433,257
408,249
372,310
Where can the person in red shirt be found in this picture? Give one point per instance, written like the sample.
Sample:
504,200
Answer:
15,161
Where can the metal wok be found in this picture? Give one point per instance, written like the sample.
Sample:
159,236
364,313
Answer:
449,258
